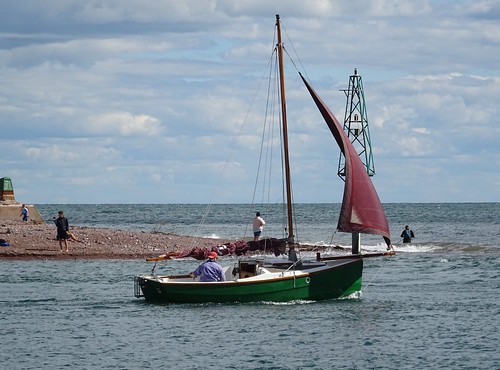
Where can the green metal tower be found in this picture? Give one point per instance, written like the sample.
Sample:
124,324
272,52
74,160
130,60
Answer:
356,125
356,128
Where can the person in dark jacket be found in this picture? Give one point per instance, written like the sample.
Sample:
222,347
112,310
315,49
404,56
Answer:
62,230
407,234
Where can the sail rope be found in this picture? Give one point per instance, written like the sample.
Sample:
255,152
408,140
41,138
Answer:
302,68
271,120
294,220
333,235
270,90
266,152
244,122
376,274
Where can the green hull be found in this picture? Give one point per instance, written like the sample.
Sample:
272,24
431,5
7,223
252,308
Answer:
334,280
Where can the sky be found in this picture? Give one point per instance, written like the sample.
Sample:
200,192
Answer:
125,101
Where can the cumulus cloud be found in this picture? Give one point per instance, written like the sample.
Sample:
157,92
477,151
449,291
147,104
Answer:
124,123
159,93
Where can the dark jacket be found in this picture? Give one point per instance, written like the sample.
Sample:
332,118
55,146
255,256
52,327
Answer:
407,235
62,227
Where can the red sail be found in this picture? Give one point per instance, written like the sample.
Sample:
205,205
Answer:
361,210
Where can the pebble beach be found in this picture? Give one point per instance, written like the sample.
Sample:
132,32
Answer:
38,241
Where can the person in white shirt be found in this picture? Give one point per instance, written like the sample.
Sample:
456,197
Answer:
258,225
25,214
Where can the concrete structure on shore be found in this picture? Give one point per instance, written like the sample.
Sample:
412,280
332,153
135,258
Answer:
10,209
13,212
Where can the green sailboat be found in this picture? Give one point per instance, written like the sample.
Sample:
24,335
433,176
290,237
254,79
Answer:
250,280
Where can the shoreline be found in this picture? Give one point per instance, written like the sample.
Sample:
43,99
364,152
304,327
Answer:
38,241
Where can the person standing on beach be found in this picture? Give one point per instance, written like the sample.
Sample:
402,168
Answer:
25,213
257,225
62,230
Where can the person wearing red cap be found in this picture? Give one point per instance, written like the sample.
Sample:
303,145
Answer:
210,270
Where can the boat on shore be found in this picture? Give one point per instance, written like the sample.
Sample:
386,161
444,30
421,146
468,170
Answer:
259,279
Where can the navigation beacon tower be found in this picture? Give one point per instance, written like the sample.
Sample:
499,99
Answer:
356,128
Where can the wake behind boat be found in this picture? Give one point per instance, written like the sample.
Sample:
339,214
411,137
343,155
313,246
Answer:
260,280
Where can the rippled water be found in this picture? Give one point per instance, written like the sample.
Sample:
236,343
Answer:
439,225
433,305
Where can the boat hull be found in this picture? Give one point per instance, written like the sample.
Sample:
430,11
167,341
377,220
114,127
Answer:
334,280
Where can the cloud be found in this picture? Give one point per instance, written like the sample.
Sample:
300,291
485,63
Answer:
123,123
162,96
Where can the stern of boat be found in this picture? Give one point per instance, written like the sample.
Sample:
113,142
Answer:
137,286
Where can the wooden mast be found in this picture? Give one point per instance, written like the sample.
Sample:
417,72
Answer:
285,131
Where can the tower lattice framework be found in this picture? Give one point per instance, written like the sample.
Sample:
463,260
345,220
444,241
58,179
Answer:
356,125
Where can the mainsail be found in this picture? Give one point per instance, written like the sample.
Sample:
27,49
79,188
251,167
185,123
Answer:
361,211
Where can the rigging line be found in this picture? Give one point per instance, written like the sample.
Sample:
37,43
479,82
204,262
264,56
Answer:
296,237
200,225
375,275
245,120
275,104
270,146
333,234
284,221
270,65
204,218
270,113
226,164
259,163
289,267
271,125
283,177
295,52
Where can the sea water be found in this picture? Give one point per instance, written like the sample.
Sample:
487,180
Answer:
433,305
436,225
